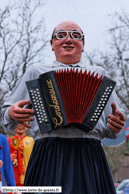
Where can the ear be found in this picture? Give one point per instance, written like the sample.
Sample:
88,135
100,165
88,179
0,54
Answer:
83,48
51,45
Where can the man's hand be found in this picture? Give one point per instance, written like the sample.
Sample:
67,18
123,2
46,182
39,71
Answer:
1,163
13,156
20,114
116,120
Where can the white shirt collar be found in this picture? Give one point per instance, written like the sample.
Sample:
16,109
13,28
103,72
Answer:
57,63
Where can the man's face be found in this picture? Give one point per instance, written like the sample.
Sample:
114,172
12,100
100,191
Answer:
67,50
20,130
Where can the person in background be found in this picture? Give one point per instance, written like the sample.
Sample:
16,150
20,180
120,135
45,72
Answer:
6,164
67,157
20,147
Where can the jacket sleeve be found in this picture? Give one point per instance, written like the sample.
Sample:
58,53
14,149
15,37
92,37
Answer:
19,93
7,164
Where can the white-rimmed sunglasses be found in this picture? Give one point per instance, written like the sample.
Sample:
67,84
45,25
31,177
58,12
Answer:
64,34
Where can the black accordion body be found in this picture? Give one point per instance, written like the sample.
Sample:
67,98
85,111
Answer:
69,97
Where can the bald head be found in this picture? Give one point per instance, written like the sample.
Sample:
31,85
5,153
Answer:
67,50
69,24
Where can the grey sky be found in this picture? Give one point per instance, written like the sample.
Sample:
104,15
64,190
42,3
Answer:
92,16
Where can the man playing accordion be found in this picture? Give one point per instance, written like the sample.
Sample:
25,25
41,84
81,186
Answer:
67,157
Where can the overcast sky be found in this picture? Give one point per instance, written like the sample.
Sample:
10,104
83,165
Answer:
92,16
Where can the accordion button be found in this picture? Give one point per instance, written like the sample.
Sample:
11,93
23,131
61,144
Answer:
110,86
99,110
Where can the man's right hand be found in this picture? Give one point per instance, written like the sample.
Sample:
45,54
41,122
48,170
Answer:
20,114
13,156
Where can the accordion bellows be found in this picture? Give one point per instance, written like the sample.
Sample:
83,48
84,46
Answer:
77,91
69,97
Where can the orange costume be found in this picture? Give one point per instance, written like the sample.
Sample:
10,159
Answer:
22,147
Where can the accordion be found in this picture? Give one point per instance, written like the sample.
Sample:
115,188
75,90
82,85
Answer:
69,97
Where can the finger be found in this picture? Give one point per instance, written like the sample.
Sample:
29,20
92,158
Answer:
113,128
115,124
22,103
25,124
23,116
116,119
121,115
19,120
114,109
25,111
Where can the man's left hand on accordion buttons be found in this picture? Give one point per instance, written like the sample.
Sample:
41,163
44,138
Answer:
116,120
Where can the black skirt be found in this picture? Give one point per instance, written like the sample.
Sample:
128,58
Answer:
78,165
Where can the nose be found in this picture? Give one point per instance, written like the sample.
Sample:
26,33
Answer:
69,39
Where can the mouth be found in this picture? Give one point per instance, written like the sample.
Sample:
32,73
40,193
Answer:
68,47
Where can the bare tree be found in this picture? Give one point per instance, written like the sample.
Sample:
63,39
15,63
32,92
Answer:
116,64
22,41
116,61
